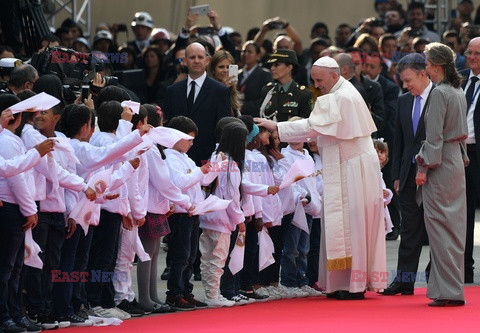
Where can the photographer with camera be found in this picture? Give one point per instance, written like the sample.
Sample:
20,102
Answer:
278,23
21,77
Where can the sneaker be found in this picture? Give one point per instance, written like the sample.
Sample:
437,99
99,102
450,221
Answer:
218,302
180,303
311,291
122,315
98,311
252,294
83,313
198,305
28,325
75,320
241,300
131,308
10,327
45,320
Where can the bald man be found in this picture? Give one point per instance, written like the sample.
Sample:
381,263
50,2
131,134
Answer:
200,98
352,255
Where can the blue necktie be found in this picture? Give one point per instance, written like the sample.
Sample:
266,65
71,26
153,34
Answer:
416,113
470,91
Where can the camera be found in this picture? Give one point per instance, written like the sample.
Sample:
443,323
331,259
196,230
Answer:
122,27
205,30
109,80
275,25
69,65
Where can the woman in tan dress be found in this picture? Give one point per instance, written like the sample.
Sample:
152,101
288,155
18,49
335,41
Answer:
441,174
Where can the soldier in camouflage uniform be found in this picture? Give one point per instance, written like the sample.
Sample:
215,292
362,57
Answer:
285,98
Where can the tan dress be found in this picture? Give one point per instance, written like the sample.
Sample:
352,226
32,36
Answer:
444,200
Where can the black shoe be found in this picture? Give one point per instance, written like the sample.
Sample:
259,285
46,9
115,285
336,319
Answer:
446,302
197,277
398,288
346,295
252,294
10,327
199,305
82,313
45,320
131,308
75,320
27,324
392,236
180,303
166,274
333,295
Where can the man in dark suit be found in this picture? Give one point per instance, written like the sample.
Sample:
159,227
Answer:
200,98
251,79
471,87
409,134
372,69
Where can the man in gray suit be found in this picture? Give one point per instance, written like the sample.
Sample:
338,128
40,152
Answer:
409,134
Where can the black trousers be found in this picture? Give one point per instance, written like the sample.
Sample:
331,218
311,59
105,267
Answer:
412,232
472,177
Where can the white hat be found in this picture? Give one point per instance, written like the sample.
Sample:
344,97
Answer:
159,34
143,18
10,62
103,34
326,62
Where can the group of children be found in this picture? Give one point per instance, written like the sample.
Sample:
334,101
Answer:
152,192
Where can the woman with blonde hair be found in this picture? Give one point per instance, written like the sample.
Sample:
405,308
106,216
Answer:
218,69
441,175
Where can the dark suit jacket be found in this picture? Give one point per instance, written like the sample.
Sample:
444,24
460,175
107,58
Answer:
374,94
211,104
476,115
390,96
251,89
406,145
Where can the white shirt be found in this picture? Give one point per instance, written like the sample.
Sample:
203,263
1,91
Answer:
16,165
15,189
42,173
470,126
161,188
198,85
186,176
121,204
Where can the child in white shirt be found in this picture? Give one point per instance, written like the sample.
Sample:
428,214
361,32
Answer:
382,151
183,243
217,226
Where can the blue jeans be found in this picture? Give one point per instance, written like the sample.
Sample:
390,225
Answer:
294,255
12,239
182,250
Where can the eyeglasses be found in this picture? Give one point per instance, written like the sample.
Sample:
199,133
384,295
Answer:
472,53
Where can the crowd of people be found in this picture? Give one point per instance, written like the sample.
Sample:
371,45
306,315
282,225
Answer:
383,118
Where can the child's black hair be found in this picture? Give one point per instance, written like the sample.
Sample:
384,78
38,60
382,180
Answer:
74,117
183,124
109,114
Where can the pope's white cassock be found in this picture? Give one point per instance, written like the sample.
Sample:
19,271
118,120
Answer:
352,254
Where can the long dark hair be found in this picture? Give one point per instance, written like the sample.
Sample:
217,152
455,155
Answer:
51,85
232,143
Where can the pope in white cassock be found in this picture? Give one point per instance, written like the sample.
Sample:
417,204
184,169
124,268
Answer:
352,253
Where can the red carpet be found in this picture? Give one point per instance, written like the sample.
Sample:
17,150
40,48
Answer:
377,313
